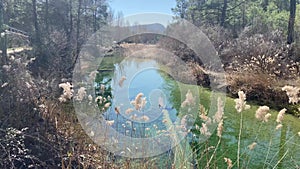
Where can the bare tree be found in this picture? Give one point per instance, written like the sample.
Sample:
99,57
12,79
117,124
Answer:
37,39
290,38
47,15
78,28
223,15
3,36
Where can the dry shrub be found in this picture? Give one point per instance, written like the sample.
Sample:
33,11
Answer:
260,65
262,53
259,87
50,139
19,102
53,137
54,59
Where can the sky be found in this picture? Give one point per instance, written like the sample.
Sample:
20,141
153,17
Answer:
133,10
130,7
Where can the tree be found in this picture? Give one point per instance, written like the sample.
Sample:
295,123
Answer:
181,8
78,28
2,31
98,13
290,38
47,16
37,38
262,15
56,28
223,15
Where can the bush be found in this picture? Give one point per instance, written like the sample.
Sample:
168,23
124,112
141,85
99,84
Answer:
261,53
261,89
14,152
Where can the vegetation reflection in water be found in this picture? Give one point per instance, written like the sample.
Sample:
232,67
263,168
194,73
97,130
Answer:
150,81
261,144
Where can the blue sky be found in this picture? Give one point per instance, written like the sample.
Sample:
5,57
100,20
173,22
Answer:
130,7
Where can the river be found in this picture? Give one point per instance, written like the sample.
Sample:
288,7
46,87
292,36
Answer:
274,148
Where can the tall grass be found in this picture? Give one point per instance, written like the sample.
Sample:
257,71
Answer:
248,137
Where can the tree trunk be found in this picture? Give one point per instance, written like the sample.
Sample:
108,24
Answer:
290,38
3,36
78,28
70,29
71,18
243,16
223,15
68,58
37,38
47,16
95,16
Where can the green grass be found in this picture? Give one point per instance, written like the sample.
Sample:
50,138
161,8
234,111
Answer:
271,144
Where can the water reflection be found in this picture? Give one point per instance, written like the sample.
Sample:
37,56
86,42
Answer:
142,77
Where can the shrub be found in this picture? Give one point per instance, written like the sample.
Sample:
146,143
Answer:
259,88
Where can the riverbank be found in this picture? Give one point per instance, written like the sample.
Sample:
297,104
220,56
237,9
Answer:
261,88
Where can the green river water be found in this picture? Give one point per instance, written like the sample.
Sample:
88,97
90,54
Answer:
274,149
